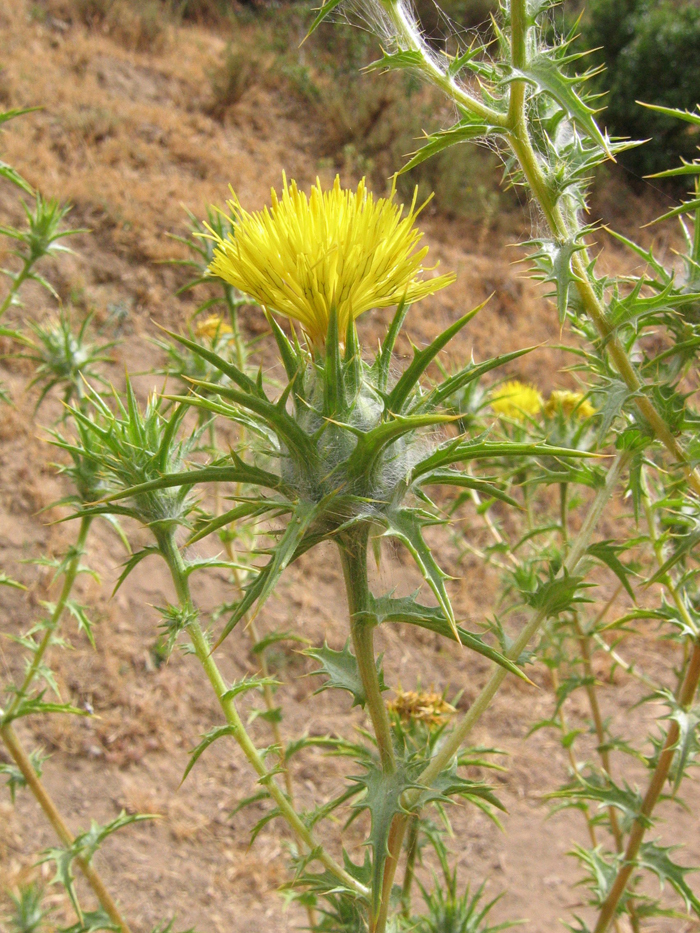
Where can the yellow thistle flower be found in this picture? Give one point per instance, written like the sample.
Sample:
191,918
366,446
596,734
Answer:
337,249
212,326
569,403
517,401
429,707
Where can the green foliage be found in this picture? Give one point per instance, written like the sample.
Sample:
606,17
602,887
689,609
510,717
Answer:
230,80
14,777
130,447
41,236
340,671
448,911
651,53
63,357
27,915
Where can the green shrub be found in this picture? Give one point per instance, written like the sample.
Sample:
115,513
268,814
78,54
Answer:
651,52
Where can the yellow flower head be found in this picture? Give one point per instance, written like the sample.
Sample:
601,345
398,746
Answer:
429,707
337,249
569,403
517,401
212,326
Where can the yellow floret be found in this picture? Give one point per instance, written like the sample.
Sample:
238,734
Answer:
341,249
569,403
517,401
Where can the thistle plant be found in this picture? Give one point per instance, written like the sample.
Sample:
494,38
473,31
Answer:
348,454
64,357
41,236
352,449
523,98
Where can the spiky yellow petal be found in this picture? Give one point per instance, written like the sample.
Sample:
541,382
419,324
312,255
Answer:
569,403
517,401
339,249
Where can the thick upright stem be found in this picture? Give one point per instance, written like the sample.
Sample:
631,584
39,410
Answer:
353,557
519,139
202,649
658,779
24,763
455,740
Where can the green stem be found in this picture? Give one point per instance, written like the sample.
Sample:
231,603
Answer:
584,646
663,766
410,39
666,580
52,624
353,558
409,874
563,516
202,649
454,741
17,283
694,272
24,763
519,139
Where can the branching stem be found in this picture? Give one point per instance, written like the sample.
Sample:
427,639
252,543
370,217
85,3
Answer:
202,649
353,557
24,763
52,624
17,283
663,766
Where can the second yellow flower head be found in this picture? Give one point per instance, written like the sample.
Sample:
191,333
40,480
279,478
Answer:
339,249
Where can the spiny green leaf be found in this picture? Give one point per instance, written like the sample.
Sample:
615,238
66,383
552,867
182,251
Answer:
266,579
30,706
92,921
606,552
86,844
208,739
15,778
341,672
656,859
462,132
546,74
407,610
555,595
250,509
606,794
682,547
391,61
383,800
422,359
406,526
442,392
371,444
8,581
238,473
323,12
465,481
383,360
